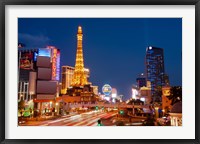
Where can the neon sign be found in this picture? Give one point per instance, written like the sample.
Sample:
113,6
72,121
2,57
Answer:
58,65
54,61
107,89
55,58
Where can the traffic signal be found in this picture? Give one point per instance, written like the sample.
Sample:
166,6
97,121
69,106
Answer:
99,123
96,107
121,112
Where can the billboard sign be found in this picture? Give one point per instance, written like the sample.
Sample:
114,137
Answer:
134,93
107,89
44,52
54,58
55,64
26,60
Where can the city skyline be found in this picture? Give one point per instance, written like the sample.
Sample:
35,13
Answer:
114,49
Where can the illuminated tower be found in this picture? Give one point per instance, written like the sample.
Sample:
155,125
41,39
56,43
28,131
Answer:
79,78
155,70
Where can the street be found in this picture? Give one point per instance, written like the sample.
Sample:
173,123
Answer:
84,119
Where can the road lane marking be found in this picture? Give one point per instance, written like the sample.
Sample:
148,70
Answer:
85,119
90,120
55,121
77,120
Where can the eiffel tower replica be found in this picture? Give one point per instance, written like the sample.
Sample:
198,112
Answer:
80,86
79,78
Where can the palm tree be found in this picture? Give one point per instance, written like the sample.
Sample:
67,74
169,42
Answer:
175,94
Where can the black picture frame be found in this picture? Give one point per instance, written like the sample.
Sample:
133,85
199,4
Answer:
99,2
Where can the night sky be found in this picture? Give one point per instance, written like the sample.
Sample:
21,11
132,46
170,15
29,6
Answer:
113,48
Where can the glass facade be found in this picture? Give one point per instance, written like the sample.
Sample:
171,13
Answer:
155,70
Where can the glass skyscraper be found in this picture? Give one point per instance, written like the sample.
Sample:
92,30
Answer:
155,70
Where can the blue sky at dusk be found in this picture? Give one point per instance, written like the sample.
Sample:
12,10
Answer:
113,48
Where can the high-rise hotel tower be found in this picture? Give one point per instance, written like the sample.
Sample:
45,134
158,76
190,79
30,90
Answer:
155,70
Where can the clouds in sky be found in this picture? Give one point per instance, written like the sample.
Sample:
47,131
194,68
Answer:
33,41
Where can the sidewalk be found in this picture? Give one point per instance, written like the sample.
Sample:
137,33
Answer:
40,118
44,117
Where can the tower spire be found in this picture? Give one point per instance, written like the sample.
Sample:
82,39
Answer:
79,30
79,78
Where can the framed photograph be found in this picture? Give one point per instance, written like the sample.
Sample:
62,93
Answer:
99,71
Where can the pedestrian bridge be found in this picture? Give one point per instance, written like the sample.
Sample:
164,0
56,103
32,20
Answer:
106,105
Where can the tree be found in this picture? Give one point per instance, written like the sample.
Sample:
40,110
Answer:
135,102
175,94
21,106
149,121
157,94
117,100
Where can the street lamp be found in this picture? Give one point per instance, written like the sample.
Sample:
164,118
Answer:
50,104
21,95
156,111
56,107
31,93
163,112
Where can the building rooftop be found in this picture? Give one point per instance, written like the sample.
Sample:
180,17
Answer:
177,108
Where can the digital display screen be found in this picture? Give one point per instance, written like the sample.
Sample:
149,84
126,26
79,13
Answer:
26,60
